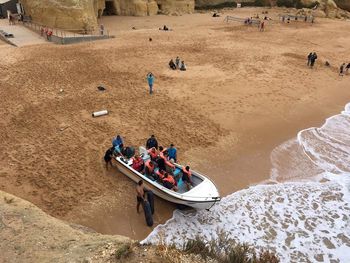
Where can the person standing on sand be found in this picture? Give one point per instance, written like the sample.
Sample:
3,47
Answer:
341,69
150,80
309,59
262,26
102,29
108,157
177,62
347,68
313,59
152,143
140,195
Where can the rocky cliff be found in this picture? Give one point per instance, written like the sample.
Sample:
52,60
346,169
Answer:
83,14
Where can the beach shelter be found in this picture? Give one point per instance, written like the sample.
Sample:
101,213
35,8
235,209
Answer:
7,5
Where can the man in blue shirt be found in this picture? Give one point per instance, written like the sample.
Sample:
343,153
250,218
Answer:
117,141
172,153
150,80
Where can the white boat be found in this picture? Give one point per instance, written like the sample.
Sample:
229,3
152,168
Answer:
203,195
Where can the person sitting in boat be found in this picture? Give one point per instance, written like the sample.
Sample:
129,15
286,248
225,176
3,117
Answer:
138,163
160,163
160,174
172,153
149,169
169,182
152,142
186,177
128,152
169,167
153,153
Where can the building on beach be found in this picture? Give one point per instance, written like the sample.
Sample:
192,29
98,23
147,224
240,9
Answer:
7,5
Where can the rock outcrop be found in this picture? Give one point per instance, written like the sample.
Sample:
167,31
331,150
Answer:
83,14
67,14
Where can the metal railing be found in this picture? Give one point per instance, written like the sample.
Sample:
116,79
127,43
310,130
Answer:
64,33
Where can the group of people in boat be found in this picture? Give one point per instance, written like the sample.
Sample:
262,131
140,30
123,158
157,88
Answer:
159,167
177,65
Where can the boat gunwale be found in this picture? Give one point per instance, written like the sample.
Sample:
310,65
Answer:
173,194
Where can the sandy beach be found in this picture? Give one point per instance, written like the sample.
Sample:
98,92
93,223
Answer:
244,93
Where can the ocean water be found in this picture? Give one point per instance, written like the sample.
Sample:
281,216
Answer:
303,217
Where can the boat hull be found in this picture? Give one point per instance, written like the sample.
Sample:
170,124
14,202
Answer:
162,192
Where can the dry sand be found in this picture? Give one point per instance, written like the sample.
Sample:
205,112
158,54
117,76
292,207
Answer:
244,93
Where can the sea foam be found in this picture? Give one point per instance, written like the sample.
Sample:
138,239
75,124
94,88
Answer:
305,217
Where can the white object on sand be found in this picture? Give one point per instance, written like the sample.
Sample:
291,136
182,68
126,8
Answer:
99,113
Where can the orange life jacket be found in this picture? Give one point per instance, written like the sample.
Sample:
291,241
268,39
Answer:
161,175
150,168
137,163
186,172
169,179
153,154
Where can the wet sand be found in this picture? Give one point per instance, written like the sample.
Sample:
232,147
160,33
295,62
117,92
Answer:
244,93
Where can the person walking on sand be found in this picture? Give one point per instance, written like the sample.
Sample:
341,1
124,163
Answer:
309,59
150,80
140,195
313,59
262,26
341,69
102,29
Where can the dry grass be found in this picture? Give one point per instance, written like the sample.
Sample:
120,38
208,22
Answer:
226,250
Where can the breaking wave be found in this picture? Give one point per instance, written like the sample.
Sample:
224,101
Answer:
304,217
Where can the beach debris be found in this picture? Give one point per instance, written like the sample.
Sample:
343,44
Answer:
134,28
101,88
99,113
327,64
61,90
150,39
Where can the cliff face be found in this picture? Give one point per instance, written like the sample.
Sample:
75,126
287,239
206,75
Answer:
343,4
81,14
66,14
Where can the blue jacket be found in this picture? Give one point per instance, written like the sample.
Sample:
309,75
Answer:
150,80
117,141
172,153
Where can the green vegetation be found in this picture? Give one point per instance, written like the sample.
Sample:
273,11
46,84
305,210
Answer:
218,6
226,250
295,3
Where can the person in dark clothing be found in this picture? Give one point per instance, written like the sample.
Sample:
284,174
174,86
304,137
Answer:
313,59
341,69
172,64
161,164
152,142
309,59
108,157
347,68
